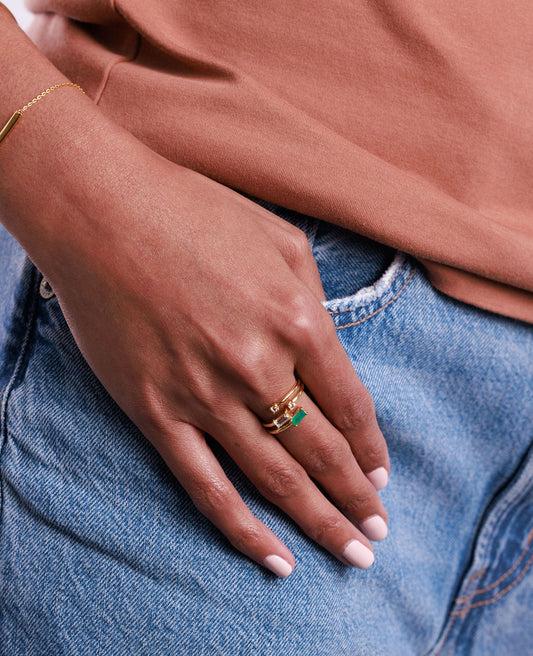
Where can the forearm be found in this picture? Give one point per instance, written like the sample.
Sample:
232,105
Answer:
46,146
72,179
65,165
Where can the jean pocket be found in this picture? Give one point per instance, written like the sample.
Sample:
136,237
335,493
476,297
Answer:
348,262
371,300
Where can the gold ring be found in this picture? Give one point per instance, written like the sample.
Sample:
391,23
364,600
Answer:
289,404
290,414
275,407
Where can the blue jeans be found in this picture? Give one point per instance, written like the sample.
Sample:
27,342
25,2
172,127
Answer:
103,553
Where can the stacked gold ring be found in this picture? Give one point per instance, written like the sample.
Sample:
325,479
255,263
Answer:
289,413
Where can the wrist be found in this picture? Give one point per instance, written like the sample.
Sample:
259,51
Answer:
53,168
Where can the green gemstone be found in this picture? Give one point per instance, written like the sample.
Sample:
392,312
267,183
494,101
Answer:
298,417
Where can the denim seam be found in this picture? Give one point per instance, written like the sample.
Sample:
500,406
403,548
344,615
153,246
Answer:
446,635
494,584
499,511
29,313
464,614
373,286
383,307
505,504
486,602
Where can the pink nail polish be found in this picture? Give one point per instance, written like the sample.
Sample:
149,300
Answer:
379,478
374,527
358,555
278,565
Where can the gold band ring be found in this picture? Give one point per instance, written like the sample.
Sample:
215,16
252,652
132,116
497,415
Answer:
275,407
289,404
290,414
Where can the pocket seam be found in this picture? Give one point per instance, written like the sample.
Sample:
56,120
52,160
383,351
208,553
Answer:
389,285
383,307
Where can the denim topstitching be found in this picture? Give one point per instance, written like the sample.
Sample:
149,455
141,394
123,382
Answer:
496,522
383,307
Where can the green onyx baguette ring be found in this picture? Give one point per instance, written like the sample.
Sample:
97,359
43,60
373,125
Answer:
289,413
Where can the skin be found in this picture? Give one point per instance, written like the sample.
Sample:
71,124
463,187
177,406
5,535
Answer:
194,307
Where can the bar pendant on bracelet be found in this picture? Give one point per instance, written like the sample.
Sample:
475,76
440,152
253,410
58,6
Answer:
9,125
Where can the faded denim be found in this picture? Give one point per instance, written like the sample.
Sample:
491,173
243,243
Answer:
103,553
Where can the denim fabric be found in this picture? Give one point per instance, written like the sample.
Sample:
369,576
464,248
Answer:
103,553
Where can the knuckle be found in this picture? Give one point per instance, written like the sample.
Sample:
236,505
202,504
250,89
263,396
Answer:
249,357
297,247
280,481
357,411
211,498
305,323
374,451
246,537
326,527
326,457
357,505
151,412
251,365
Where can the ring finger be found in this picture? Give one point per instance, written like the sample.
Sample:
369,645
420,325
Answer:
284,481
327,457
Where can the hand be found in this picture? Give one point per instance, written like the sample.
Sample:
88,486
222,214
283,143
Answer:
195,307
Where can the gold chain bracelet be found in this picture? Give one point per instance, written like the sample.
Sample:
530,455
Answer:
18,114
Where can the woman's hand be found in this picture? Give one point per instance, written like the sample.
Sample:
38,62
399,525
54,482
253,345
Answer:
195,307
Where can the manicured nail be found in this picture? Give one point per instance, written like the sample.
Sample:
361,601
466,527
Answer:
278,565
374,528
358,555
379,478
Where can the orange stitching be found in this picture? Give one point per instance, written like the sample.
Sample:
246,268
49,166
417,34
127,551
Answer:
500,594
474,576
355,323
374,285
464,600
464,612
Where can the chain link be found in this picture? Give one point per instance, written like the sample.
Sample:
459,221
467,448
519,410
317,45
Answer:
47,91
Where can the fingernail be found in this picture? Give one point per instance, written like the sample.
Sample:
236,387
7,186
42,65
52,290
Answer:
358,555
278,565
374,527
379,478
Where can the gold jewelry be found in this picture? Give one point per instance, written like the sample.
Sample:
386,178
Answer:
276,406
289,404
287,419
18,114
291,414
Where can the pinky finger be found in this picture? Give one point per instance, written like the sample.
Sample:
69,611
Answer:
215,497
